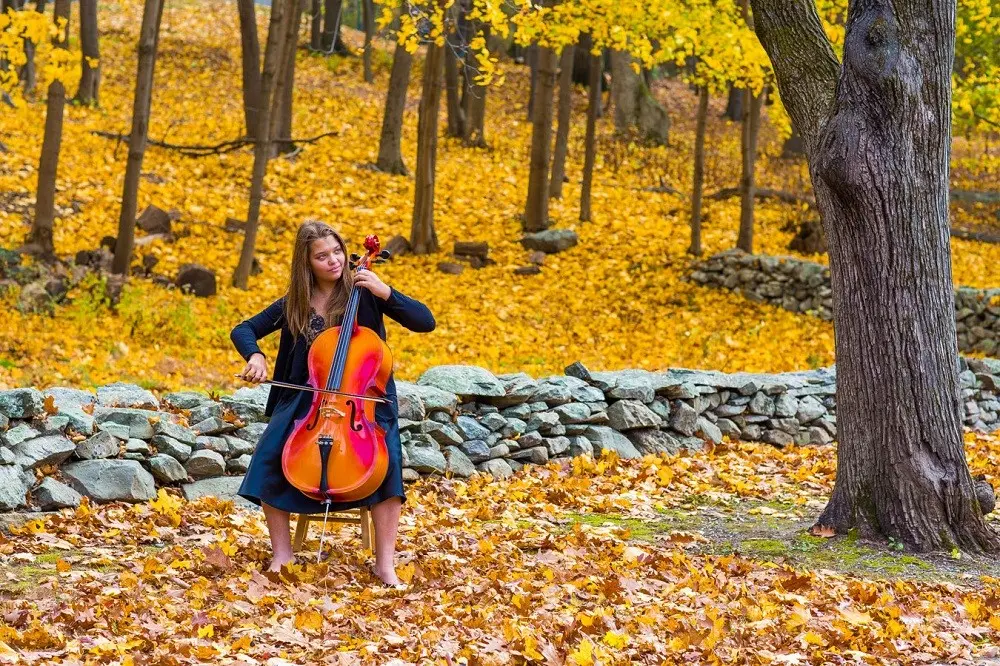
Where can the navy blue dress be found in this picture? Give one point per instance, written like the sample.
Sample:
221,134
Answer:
265,481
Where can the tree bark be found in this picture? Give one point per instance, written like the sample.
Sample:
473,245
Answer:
28,73
149,36
281,12
369,19
590,152
251,65
332,42
734,104
698,184
531,57
284,87
562,132
878,137
316,25
748,150
474,100
390,155
40,237
423,237
456,117
90,75
536,209
623,92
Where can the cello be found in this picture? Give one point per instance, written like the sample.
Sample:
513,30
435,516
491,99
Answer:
337,452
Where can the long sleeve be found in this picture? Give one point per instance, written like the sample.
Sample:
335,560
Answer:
407,311
246,334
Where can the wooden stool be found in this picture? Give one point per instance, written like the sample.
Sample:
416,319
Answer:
361,516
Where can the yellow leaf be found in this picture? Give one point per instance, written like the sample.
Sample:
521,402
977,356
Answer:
309,620
583,655
615,639
206,631
62,566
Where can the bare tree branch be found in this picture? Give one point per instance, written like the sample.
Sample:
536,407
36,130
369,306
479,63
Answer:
192,150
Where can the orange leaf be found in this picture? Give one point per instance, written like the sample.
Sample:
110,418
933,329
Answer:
50,405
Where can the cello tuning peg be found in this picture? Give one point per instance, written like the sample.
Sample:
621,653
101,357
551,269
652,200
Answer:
355,256
384,254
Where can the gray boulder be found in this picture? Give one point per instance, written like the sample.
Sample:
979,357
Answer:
249,433
7,456
557,445
477,450
217,444
470,428
111,480
51,494
550,241
186,399
213,426
411,407
497,468
205,463
14,484
652,441
426,459
136,420
538,455
101,445
223,487
22,432
21,403
46,450
684,418
464,380
580,446
458,464
444,433
166,469
206,410
518,388
631,414
431,397
708,430
810,409
64,397
603,437
572,412
169,446
123,394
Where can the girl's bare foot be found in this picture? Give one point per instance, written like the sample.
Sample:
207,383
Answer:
387,576
276,563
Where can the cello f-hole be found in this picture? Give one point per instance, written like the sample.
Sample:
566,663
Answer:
355,423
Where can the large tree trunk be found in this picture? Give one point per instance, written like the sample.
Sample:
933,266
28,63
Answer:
748,151
456,117
281,123
40,237
149,36
734,104
878,136
390,156
369,20
634,104
90,73
562,133
590,152
281,11
699,171
536,210
423,237
531,59
251,65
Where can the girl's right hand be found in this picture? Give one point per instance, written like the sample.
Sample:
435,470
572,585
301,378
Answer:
255,370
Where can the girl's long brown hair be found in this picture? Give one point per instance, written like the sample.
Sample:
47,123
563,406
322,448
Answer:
301,282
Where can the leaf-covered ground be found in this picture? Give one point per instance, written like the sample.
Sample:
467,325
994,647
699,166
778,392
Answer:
616,300
692,559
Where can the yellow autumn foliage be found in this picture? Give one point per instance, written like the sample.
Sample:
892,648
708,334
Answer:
617,299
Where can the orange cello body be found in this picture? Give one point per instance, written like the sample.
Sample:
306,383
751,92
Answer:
349,359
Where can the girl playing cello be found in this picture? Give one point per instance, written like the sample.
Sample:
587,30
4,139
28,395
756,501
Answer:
319,287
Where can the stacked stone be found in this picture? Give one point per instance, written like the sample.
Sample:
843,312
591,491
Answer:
122,442
118,443
804,286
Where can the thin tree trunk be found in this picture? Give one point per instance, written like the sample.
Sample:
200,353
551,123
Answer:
281,114
390,156
624,92
149,36
532,59
878,137
251,65
332,42
40,237
590,151
536,209
281,12
423,237
751,127
699,172
316,25
90,74
562,133
369,19
475,101
28,73
734,104
456,118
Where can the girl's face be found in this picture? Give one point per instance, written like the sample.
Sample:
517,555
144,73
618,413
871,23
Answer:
326,257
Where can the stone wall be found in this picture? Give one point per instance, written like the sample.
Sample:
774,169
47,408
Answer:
804,286
121,442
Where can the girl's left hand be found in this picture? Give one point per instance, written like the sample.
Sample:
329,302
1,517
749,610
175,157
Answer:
372,283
